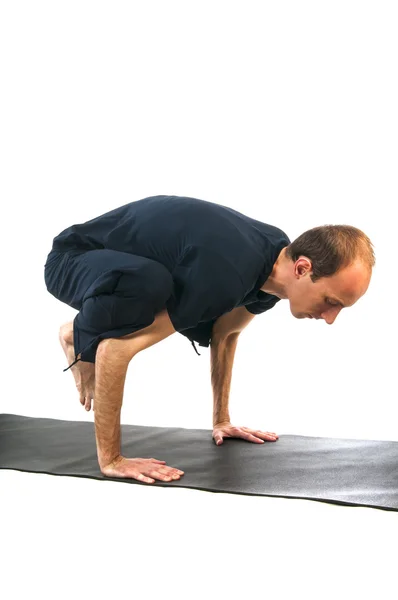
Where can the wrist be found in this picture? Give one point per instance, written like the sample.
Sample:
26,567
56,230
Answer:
109,461
221,422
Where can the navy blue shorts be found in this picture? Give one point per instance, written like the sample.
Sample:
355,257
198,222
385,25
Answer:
116,293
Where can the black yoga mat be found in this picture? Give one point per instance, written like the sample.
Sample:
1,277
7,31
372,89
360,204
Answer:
340,471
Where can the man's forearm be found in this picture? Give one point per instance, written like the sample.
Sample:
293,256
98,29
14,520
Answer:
222,352
110,375
111,363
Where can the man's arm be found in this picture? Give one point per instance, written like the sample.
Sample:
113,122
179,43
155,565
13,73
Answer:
112,360
224,340
222,353
232,322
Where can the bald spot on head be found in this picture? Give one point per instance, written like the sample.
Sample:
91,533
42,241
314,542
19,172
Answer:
350,283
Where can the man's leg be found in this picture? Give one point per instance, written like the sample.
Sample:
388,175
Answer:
83,372
115,293
132,343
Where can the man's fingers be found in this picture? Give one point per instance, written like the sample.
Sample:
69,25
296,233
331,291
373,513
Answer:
165,476
246,434
160,475
253,438
167,472
250,435
142,477
265,435
146,470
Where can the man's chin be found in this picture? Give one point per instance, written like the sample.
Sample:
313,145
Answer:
300,315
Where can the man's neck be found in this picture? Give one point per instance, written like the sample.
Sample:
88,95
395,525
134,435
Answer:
274,284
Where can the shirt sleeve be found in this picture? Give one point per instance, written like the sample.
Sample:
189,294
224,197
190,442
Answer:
262,304
206,286
201,334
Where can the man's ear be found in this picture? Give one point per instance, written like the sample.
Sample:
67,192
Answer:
302,266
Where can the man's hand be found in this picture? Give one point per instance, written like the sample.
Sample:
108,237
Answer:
142,469
226,430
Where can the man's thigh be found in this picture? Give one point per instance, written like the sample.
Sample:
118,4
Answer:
116,294
76,276
131,344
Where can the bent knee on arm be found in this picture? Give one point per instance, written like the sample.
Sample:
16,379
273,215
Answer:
127,346
112,350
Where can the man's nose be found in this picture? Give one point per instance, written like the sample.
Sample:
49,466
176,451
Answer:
330,315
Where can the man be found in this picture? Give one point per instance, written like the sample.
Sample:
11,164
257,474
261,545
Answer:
167,264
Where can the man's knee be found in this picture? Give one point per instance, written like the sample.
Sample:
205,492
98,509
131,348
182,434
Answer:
132,297
115,349
128,346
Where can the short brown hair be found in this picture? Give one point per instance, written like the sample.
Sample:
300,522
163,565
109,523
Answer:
331,248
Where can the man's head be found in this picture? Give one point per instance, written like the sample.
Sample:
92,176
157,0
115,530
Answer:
324,270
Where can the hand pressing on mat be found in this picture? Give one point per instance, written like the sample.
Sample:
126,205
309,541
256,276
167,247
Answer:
142,469
226,430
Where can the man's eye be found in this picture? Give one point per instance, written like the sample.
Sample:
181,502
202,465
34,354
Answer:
331,302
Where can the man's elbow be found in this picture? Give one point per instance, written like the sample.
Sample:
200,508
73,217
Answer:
223,337
230,325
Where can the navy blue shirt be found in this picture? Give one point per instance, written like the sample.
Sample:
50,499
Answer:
218,257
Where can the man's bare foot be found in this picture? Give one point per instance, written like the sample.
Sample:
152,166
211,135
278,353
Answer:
83,372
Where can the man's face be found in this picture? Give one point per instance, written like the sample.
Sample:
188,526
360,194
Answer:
325,298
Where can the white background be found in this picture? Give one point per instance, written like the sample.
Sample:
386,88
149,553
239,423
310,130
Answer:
286,111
